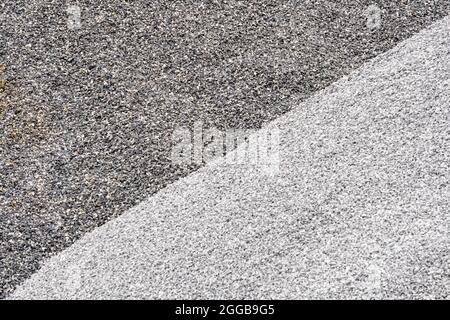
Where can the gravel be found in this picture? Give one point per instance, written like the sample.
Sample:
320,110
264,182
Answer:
357,209
88,113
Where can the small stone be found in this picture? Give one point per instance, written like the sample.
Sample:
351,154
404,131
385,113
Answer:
2,85
2,82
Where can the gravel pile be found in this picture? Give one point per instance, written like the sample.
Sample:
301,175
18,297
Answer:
87,116
357,209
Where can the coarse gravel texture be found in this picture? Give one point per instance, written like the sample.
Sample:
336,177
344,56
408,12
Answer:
87,116
358,209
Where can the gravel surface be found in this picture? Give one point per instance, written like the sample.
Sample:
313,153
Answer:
358,208
88,112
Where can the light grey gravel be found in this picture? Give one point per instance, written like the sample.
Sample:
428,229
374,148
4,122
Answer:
359,209
87,117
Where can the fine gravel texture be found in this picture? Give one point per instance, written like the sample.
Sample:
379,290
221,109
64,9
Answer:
359,207
89,109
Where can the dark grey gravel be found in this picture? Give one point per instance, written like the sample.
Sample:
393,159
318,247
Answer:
87,115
